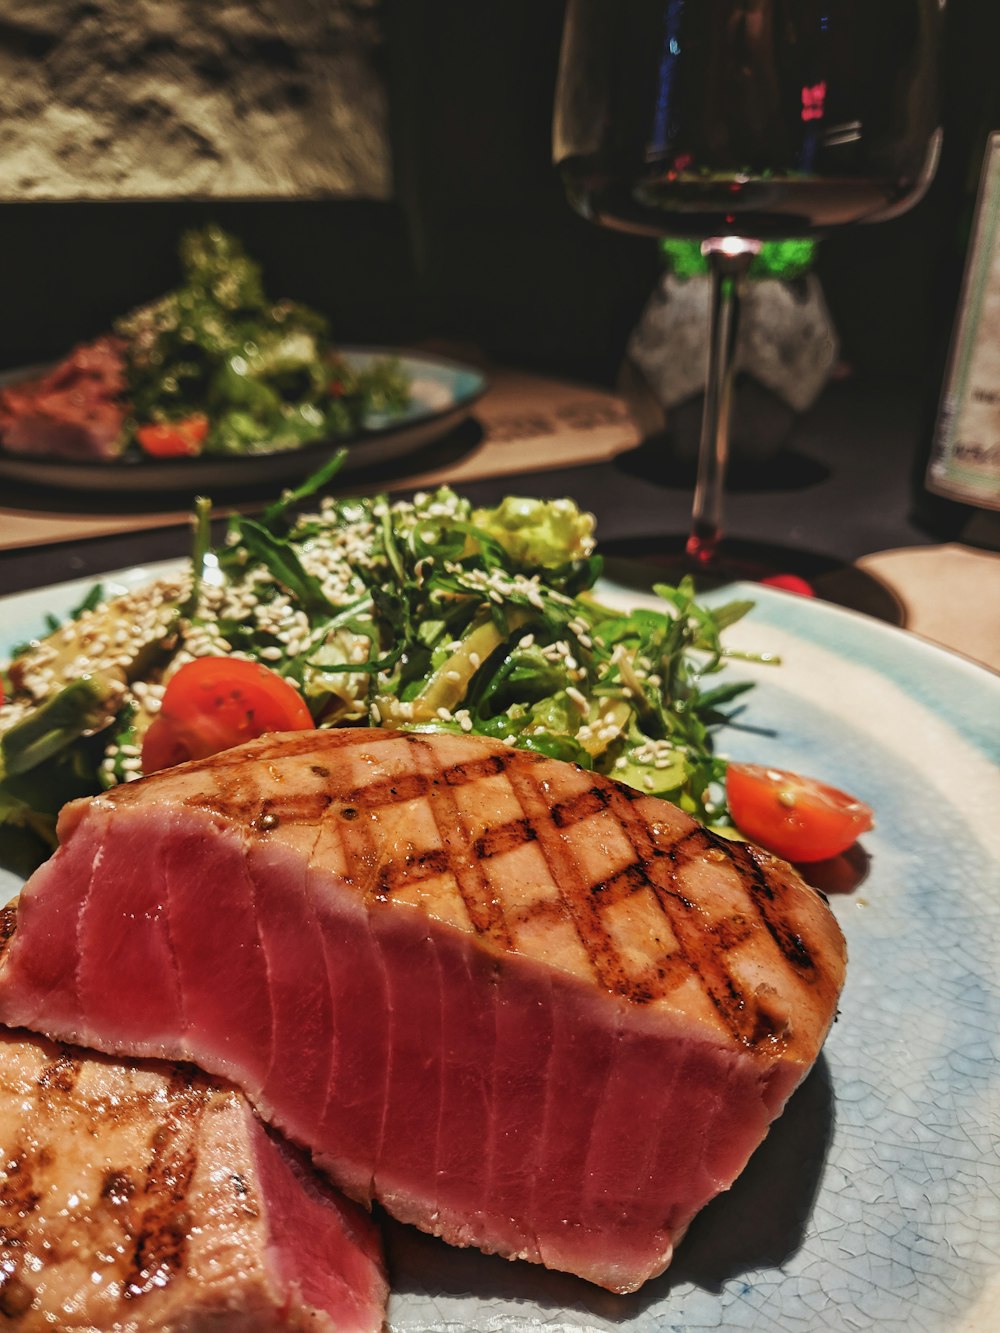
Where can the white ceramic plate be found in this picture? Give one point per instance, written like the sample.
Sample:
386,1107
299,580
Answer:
442,393
875,1201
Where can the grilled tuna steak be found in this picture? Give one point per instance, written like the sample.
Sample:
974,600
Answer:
76,410
145,1197
521,1005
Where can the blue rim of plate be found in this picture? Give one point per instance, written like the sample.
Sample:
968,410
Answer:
446,391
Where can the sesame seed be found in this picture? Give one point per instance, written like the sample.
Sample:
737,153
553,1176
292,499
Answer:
573,694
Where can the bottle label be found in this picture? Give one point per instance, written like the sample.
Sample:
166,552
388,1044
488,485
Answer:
965,460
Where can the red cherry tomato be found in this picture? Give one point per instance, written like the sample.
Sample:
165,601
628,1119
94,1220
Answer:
790,583
797,818
174,439
214,703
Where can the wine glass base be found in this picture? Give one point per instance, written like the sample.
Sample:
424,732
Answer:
702,551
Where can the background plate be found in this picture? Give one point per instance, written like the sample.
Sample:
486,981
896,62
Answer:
873,1204
441,395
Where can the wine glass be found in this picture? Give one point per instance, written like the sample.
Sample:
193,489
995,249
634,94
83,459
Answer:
740,121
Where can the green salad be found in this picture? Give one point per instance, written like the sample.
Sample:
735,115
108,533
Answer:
216,367
423,614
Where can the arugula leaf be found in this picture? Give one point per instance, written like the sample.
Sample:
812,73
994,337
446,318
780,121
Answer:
282,559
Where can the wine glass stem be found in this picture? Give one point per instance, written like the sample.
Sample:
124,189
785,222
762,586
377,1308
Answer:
729,258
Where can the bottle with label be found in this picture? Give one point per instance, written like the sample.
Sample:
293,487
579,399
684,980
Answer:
942,503
964,466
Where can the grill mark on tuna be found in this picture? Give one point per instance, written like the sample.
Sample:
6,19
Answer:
579,906
621,885
18,1200
160,1247
473,770
263,815
768,895
539,909
8,924
567,813
117,1187
18,1196
504,838
736,1008
61,1075
765,893
16,1296
413,869
396,790
663,975
732,932
482,903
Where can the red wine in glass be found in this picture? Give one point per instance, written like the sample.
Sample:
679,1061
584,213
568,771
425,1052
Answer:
737,121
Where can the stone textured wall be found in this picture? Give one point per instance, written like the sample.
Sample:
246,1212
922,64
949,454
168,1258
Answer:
188,99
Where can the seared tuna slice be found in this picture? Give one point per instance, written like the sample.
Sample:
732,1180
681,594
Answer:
519,1004
76,410
146,1197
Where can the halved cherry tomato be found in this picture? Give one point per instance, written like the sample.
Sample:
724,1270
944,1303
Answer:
790,583
174,439
797,818
214,703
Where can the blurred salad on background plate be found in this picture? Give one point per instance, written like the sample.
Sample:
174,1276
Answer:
215,384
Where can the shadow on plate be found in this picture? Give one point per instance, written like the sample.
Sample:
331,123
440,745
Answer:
760,1223
840,874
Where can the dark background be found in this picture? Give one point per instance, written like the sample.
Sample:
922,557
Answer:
479,245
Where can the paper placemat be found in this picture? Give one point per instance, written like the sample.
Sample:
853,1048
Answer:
949,594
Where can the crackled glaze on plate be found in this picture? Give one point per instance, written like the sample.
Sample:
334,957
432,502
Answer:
875,1201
